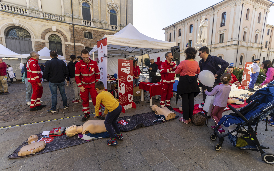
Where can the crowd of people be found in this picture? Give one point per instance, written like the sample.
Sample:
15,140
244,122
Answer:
83,74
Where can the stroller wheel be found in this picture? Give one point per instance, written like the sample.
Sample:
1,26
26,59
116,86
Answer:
218,147
213,137
268,158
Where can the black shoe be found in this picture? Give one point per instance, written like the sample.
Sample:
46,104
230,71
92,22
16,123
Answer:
1,93
251,90
6,93
41,107
33,109
169,107
85,118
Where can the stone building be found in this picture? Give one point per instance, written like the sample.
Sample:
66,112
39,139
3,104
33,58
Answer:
235,30
27,25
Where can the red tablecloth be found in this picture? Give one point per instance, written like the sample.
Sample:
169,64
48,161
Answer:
153,88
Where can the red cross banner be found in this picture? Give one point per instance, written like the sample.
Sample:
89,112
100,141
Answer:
125,76
102,60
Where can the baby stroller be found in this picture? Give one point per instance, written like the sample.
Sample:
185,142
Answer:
242,125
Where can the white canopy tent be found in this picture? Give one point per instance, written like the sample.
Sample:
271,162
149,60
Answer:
45,54
5,52
130,42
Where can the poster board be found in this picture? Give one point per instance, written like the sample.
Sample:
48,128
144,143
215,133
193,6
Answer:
102,60
246,75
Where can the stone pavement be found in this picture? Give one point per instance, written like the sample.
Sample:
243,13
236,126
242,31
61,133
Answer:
168,146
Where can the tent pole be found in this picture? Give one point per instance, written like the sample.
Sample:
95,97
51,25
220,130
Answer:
92,55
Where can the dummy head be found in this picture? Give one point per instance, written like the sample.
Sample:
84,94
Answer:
32,139
73,130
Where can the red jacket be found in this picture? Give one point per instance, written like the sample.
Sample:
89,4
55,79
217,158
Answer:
33,71
233,79
168,72
86,74
3,69
136,71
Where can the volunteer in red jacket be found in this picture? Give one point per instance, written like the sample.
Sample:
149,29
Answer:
35,77
86,75
168,78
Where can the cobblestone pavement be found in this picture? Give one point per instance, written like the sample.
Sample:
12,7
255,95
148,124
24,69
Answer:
168,146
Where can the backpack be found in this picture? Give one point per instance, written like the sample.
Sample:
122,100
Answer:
199,119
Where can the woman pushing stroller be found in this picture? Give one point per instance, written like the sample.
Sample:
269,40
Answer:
220,102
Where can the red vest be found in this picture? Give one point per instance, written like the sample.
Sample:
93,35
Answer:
168,72
33,71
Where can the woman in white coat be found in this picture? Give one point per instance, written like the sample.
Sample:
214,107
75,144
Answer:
11,73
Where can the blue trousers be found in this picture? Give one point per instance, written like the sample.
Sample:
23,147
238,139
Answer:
28,90
53,89
253,79
136,81
111,121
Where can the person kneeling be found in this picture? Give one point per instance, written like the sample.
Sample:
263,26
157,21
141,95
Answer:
112,109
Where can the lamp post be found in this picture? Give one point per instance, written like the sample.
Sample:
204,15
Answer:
72,27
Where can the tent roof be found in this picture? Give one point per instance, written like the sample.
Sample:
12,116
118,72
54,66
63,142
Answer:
45,54
5,52
129,41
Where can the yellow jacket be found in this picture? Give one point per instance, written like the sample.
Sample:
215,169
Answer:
107,99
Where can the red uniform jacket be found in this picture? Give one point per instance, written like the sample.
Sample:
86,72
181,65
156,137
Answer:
136,71
33,71
233,79
86,74
168,72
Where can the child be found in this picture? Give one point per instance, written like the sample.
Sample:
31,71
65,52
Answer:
220,102
113,107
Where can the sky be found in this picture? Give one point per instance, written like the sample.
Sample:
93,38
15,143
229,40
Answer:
151,16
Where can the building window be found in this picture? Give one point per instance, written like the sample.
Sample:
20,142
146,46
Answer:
222,38
113,17
179,45
247,14
55,44
266,42
268,31
223,19
179,33
190,43
191,28
241,60
169,37
253,57
263,58
244,36
88,35
86,11
256,38
259,17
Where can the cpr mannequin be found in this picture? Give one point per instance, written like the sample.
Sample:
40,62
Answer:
163,111
91,126
235,101
33,146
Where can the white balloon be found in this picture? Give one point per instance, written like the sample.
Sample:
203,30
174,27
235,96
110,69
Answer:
207,78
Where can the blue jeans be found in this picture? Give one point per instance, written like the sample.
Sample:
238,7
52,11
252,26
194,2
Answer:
253,79
111,121
53,89
28,90
136,81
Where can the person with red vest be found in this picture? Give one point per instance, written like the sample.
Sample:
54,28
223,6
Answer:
86,75
35,77
136,73
168,78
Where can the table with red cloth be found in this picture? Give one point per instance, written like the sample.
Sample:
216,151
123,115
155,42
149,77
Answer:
153,89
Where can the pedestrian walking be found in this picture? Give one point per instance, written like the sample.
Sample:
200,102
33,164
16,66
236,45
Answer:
71,77
56,73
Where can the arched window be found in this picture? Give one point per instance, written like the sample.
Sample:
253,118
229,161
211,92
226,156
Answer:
223,19
86,11
244,36
18,40
256,38
191,28
241,60
263,58
55,43
179,32
113,17
88,35
247,14
169,37
259,17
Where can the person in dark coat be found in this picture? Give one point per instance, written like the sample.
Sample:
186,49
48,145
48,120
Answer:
71,75
211,63
152,69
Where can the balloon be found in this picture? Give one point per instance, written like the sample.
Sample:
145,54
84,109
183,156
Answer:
207,78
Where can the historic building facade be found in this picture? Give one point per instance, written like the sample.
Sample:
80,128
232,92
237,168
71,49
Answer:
30,25
235,30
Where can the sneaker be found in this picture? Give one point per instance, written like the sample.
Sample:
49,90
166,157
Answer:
75,101
66,107
112,142
85,118
271,124
28,103
119,137
51,111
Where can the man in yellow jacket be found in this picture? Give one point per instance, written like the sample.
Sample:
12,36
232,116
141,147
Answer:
112,109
